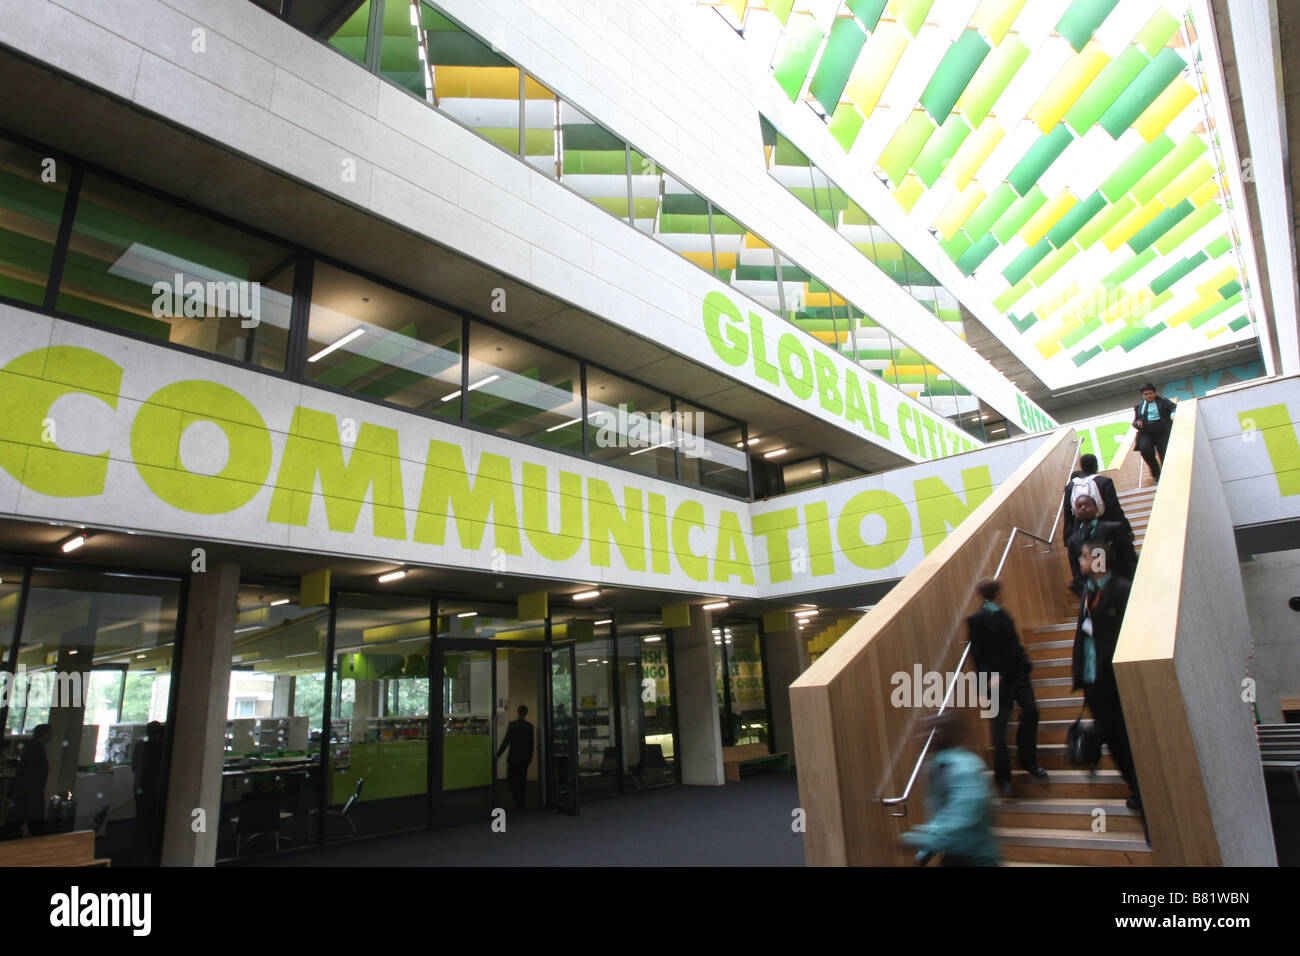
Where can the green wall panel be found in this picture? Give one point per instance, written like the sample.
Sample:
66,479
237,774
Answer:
1102,92
992,78
795,54
1136,166
1075,219
1039,158
1170,276
1081,20
1142,92
939,149
836,63
953,74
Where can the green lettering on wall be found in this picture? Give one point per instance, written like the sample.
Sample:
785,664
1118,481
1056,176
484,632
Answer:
689,514
552,545
821,554
156,447
29,387
626,528
775,527
855,408
730,345
788,348
905,419
762,367
828,392
882,429
313,451
898,529
731,559
447,484
657,508
1274,424
939,509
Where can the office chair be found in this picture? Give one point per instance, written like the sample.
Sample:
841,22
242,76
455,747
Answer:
259,813
345,813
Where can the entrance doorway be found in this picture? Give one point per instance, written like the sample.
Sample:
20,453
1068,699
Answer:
483,685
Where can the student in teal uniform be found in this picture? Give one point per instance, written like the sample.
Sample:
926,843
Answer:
1153,418
959,823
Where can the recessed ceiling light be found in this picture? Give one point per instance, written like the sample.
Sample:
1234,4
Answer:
775,454
586,595
73,543
716,605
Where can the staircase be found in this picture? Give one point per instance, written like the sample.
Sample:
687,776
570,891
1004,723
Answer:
1051,823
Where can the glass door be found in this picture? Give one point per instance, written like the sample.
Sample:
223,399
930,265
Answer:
517,745
563,769
467,741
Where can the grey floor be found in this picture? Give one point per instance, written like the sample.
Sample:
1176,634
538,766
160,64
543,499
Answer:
740,824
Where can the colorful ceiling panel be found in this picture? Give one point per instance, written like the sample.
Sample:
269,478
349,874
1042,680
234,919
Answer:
1061,152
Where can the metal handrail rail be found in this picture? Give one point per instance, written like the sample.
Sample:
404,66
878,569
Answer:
1078,443
920,760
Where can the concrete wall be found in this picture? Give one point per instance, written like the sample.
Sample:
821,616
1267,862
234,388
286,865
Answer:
1270,581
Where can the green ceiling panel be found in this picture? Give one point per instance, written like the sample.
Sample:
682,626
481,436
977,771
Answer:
1189,226
1231,289
1013,295
795,54
911,13
1104,221
1218,247
954,73
781,8
1168,168
955,247
1137,338
939,150
1132,170
1129,269
1218,308
1087,356
1039,159
976,254
1075,336
836,63
990,210
1014,219
1238,324
1142,92
1118,337
1170,276
845,125
1160,225
1022,325
868,11
1023,263
1076,219
1082,19
1157,32
1101,94
1049,266
906,145
992,78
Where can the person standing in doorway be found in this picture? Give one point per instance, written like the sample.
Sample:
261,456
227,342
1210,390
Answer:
996,650
1153,418
519,741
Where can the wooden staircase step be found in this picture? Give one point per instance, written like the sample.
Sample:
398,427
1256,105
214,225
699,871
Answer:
1102,785
1048,650
1046,688
1071,813
1049,731
1035,845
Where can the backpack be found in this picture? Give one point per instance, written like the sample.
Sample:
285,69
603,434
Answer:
1086,484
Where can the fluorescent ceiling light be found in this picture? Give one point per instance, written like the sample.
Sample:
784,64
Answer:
642,451
606,621
355,333
279,602
651,640
805,613
468,614
586,595
448,398
73,543
716,605
483,381
776,454
392,576
556,428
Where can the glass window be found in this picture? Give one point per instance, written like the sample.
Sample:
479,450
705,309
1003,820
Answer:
629,424
275,712
145,265
798,475
683,222
30,212
523,390
593,161
837,470
347,37
645,191
742,701
471,83
367,338
598,760
745,261
487,622
379,742
711,451
541,128
645,681
89,717
402,58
